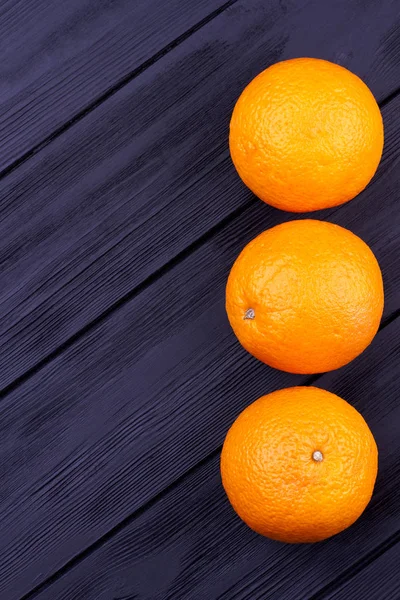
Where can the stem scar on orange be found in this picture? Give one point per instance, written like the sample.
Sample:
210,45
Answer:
299,465
306,134
305,296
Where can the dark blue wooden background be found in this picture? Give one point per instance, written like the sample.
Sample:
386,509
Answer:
120,217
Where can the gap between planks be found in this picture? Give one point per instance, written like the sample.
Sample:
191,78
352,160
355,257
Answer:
346,576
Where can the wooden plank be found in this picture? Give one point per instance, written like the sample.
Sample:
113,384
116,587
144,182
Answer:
190,544
58,58
379,580
146,394
91,216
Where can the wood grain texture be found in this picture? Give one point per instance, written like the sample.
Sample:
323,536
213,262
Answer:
83,439
189,543
146,394
60,57
150,390
379,580
124,191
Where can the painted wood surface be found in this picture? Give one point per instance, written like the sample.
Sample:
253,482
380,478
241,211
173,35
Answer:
190,544
93,426
118,370
379,580
145,175
60,59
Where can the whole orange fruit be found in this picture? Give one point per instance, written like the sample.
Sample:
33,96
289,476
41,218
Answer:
305,296
299,465
306,134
